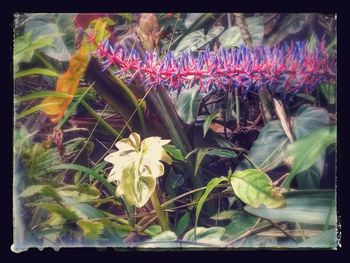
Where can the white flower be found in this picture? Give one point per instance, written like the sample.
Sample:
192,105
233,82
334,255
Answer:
136,167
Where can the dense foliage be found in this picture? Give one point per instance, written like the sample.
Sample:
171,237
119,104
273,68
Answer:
175,130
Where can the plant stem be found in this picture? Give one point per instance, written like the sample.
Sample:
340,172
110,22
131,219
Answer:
238,114
265,105
160,214
102,122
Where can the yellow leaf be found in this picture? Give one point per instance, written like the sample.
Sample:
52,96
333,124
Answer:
68,82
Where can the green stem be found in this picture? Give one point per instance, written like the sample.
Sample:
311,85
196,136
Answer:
102,122
135,103
238,113
159,212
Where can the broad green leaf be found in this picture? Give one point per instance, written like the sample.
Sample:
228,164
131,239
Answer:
327,239
310,178
240,223
197,39
173,181
255,188
329,92
24,47
91,229
309,119
225,215
306,151
268,151
36,71
307,206
268,148
212,235
208,120
211,185
232,36
165,239
187,104
191,18
174,152
182,224
202,20
45,24
290,25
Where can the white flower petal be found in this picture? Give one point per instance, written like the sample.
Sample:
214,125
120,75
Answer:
129,144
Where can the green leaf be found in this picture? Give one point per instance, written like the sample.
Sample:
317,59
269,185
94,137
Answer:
41,94
232,37
162,240
183,223
50,191
91,229
306,97
24,47
208,236
59,209
31,190
202,152
210,186
255,188
36,71
269,149
306,151
219,152
45,24
329,92
197,39
34,109
72,108
310,178
240,223
88,171
290,25
203,19
173,182
153,230
327,239
187,104
174,152
307,206
208,120
87,211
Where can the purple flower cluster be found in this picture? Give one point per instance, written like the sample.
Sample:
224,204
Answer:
294,67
